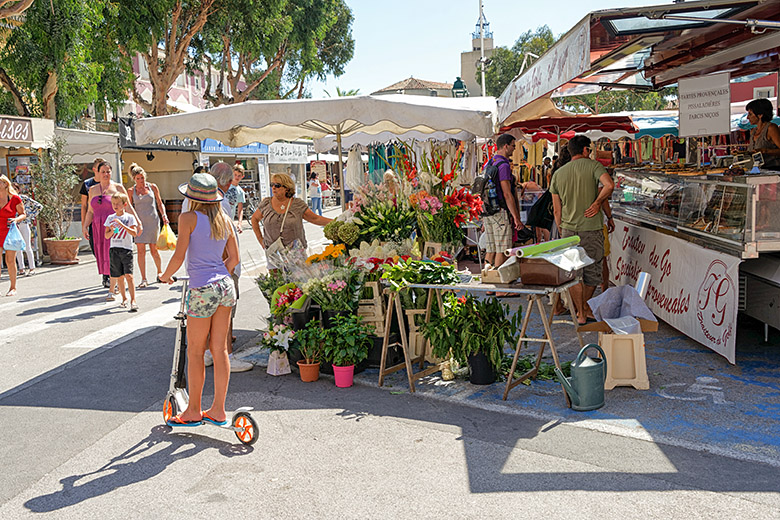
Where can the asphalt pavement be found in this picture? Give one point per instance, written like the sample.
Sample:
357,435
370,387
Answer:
82,437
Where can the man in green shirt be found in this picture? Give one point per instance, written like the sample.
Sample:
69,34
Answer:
577,202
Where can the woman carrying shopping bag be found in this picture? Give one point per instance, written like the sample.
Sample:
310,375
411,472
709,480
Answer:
31,209
11,212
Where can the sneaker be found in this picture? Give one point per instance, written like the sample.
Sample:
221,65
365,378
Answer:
208,358
237,365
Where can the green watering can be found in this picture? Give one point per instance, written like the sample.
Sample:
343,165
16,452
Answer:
586,384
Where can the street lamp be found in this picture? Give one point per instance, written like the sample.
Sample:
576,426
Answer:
459,89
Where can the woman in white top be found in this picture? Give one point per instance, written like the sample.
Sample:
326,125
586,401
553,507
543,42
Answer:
315,194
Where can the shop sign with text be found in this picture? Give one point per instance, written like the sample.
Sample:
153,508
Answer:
16,129
693,289
288,153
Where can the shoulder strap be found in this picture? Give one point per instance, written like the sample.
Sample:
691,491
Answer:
281,229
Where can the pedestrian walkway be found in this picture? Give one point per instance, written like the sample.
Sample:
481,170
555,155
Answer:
697,400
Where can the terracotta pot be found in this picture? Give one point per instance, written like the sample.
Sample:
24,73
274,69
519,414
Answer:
309,372
62,252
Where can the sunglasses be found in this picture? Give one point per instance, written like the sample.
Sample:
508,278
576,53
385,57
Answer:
276,185
100,199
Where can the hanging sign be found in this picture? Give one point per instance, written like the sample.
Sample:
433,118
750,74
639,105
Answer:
693,289
288,153
16,129
705,105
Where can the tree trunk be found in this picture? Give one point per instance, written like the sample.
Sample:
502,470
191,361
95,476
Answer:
8,84
49,96
16,7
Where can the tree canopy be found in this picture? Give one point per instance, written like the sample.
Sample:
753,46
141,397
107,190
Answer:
59,61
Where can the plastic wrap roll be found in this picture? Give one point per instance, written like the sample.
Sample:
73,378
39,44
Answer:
544,247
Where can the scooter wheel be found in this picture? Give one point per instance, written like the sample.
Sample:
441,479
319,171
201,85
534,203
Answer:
247,428
170,408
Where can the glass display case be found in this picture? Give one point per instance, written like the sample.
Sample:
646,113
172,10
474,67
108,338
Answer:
736,214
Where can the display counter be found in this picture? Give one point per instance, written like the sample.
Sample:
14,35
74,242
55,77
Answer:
699,235
735,214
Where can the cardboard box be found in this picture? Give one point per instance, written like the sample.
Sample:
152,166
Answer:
537,271
601,326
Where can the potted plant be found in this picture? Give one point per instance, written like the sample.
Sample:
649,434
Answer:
310,341
472,331
279,339
54,178
347,344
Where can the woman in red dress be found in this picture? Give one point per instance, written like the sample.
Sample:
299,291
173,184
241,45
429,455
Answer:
11,211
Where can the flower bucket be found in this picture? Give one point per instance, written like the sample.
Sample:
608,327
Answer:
344,375
328,315
309,372
480,373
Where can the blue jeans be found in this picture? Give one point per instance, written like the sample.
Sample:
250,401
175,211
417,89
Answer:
316,205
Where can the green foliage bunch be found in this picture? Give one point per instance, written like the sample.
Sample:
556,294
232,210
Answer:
310,340
469,326
54,178
348,340
411,271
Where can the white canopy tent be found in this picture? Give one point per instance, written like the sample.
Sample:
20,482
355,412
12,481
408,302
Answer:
270,121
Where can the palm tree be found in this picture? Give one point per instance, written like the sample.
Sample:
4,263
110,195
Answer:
343,93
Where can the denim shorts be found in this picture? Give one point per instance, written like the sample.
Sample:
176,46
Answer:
203,302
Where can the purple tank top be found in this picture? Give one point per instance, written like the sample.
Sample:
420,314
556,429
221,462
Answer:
204,255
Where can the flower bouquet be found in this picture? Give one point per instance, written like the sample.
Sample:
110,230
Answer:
269,283
338,290
278,339
382,216
334,253
286,297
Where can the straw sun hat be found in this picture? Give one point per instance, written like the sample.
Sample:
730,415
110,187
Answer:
201,188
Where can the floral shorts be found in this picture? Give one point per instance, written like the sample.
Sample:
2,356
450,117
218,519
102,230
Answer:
202,302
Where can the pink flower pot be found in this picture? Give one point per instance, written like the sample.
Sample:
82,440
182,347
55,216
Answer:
344,375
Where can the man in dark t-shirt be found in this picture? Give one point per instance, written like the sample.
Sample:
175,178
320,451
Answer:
84,191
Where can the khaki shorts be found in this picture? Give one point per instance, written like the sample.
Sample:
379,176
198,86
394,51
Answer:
593,244
203,302
498,231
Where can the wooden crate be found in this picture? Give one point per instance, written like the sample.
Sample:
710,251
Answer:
417,342
372,309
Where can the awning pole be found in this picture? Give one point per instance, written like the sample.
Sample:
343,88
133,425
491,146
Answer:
342,177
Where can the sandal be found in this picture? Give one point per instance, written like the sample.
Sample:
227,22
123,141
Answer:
31,272
144,284
133,307
110,297
123,304
12,292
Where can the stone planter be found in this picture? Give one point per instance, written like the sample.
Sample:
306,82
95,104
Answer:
62,252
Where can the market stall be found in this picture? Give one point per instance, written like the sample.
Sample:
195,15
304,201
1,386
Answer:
270,121
697,230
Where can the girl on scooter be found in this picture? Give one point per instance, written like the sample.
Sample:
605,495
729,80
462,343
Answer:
204,233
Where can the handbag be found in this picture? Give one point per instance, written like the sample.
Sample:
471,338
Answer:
541,213
277,247
14,240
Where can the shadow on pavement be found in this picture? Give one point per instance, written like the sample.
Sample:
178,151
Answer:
147,458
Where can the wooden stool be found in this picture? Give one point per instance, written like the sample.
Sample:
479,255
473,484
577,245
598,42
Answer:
626,364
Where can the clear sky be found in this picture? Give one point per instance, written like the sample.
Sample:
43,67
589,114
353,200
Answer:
396,39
